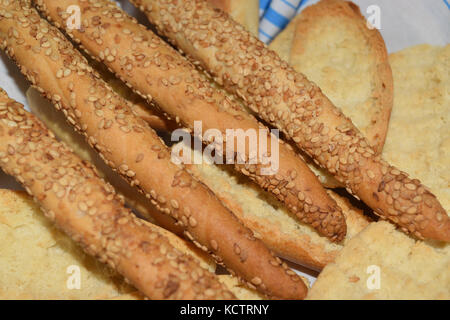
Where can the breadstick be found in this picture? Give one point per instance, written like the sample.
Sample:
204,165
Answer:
148,112
155,69
56,122
287,100
131,147
86,208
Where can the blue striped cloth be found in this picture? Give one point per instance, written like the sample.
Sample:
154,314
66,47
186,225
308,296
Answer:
275,15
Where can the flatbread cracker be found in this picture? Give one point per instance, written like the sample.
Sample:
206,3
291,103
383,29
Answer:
35,258
418,139
282,43
407,269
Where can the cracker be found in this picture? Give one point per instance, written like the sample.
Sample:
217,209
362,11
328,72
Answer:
282,43
408,269
35,256
418,139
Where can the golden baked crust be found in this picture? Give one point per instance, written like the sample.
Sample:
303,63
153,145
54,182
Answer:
240,290
26,235
57,123
409,269
419,137
244,12
149,112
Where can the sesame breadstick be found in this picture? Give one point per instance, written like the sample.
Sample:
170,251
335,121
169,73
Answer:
56,122
158,72
287,100
142,109
86,208
148,112
131,147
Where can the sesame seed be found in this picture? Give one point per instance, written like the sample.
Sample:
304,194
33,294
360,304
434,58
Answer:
214,245
237,249
411,210
410,186
192,222
256,281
